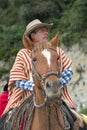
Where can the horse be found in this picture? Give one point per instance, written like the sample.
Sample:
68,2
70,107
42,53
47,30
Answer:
44,109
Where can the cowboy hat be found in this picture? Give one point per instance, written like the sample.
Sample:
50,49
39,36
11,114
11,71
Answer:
36,24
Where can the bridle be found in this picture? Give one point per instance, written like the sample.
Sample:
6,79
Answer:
42,83
42,80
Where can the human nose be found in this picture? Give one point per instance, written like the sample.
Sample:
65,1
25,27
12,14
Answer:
46,32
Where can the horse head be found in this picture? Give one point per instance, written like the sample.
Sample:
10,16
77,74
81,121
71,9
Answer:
46,68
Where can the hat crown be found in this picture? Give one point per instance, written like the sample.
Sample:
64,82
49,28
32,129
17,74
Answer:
33,23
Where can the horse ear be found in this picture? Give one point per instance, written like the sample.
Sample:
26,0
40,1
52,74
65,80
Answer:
55,40
27,42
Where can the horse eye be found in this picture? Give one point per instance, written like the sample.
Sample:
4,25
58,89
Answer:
34,59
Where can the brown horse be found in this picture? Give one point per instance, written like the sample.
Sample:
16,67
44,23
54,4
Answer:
44,109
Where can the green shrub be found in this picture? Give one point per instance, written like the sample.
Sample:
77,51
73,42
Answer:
11,40
4,4
84,111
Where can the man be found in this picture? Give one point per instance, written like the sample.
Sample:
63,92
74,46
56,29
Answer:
21,83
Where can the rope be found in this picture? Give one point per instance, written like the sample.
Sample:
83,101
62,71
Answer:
24,113
53,109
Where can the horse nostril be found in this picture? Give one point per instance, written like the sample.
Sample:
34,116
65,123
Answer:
48,84
59,83
53,86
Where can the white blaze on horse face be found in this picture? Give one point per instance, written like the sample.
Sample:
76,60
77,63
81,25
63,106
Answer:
47,55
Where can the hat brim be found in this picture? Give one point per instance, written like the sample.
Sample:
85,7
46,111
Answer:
48,26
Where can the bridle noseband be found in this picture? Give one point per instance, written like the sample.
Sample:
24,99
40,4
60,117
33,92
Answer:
42,83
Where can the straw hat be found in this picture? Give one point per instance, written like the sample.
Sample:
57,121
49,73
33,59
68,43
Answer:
36,24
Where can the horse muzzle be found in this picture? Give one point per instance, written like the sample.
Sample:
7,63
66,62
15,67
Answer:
53,88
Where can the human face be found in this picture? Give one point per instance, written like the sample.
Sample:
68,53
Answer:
40,34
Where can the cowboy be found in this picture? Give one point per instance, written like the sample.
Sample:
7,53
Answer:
21,83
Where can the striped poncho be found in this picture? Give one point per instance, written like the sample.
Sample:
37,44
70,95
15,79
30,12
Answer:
21,70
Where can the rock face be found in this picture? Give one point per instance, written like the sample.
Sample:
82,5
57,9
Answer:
78,84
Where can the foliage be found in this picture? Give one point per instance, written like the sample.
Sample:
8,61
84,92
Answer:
9,16
73,22
78,20
11,40
34,10
4,4
84,111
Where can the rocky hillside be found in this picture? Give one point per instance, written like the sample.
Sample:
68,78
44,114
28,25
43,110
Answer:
78,84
